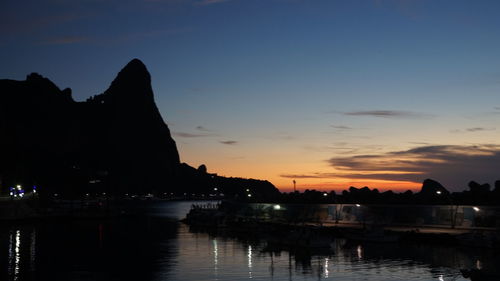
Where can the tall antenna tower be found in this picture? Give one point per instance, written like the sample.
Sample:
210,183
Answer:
294,187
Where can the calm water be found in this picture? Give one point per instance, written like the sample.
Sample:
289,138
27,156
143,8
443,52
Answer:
158,248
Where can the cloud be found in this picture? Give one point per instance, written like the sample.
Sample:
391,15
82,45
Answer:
209,2
190,135
229,142
388,114
142,35
300,176
65,40
479,129
341,127
473,130
203,129
27,22
453,165
202,132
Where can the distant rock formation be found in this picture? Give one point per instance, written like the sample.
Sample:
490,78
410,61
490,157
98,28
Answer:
115,142
432,187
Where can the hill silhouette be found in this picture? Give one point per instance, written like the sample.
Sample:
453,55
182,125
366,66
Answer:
114,142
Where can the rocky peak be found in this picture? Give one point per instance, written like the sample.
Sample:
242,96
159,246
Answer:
133,81
432,187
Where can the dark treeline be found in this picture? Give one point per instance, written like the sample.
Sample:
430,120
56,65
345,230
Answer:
431,193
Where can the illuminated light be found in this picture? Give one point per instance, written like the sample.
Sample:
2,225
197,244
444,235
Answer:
34,190
15,195
215,188
476,209
21,194
248,190
104,193
326,268
441,278
87,194
11,193
325,194
18,186
359,250
357,205
479,265
216,253
55,194
438,192
17,251
249,195
277,207
250,261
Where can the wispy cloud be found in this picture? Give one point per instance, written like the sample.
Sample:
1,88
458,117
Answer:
479,129
388,114
300,176
229,142
473,130
201,132
26,22
453,165
209,2
65,40
203,129
190,135
341,127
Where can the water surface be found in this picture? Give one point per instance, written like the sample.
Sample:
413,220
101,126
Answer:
157,247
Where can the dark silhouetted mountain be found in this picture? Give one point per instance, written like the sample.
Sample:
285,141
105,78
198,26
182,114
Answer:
115,142
432,187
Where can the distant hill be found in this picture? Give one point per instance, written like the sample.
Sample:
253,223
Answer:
115,142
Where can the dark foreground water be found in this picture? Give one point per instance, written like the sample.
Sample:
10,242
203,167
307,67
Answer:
157,247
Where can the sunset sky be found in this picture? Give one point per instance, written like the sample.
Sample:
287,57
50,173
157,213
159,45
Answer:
331,93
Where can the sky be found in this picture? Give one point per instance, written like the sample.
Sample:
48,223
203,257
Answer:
329,93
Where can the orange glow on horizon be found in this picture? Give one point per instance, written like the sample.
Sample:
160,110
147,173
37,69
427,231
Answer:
344,184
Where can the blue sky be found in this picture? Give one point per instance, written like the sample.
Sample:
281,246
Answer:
278,88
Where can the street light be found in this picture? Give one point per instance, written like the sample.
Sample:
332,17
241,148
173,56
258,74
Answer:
453,212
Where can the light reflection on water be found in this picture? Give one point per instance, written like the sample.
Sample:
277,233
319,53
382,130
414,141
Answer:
156,248
231,255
